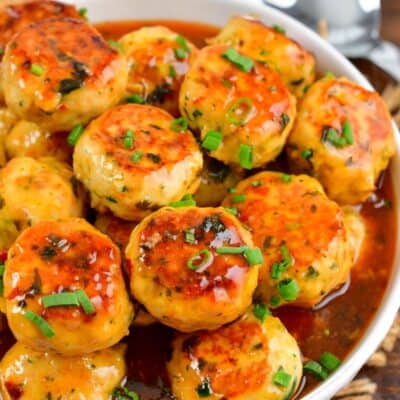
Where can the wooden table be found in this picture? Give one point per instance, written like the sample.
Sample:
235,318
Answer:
391,20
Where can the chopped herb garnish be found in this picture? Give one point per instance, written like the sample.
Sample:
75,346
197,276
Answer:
41,323
1,50
282,378
74,135
199,260
136,156
37,69
60,299
180,53
204,389
179,125
69,85
253,256
47,253
307,153
232,190
190,236
227,83
347,132
261,311
123,393
83,12
278,268
275,301
181,41
329,75
232,210
128,139
231,250
284,120
2,270
329,361
135,99
172,71
279,29
85,302
332,136
115,44
242,62
288,289
286,178
111,199
256,184
238,198
306,88
239,111
154,157
186,201
311,272
212,140
315,369
246,156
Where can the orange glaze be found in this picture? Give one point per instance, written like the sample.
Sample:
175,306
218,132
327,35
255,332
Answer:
167,259
14,17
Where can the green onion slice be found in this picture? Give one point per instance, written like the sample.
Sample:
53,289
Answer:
41,323
186,201
199,260
115,44
74,135
212,140
37,69
279,29
282,378
315,369
347,132
288,289
85,302
179,125
181,41
232,210
332,136
238,198
135,99
2,270
136,156
242,62
329,361
261,311
307,154
246,156
190,236
253,256
240,110
231,250
286,178
60,299
128,139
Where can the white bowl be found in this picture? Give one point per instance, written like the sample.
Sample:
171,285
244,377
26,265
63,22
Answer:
217,12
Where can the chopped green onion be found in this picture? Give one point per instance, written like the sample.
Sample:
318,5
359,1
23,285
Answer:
115,44
238,198
135,99
288,289
136,156
60,299
180,53
85,302
332,136
1,50
315,369
284,120
128,139
232,190
256,184
279,29
239,111
246,156
204,389
231,250
123,393
199,260
190,236
329,361
307,153
83,12
306,88
74,135
2,270
261,311
282,378
179,125
242,62
253,256
42,324
232,210
172,71
37,69
275,301
329,75
181,41
286,178
186,201
348,132
278,268
212,140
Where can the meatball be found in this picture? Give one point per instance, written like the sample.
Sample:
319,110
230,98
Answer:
158,59
216,179
269,45
26,374
60,73
37,190
28,139
8,231
188,266
64,289
7,121
133,160
302,234
344,137
242,109
245,360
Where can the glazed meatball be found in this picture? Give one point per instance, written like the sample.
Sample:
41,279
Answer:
26,374
344,137
180,274
244,116
216,179
240,361
29,140
133,161
60,73
7,121
271,47
37,190
302,233
66,258
158,59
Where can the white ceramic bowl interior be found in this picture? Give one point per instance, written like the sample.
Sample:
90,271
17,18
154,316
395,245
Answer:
217,12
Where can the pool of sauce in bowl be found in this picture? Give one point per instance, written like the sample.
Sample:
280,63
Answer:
336,327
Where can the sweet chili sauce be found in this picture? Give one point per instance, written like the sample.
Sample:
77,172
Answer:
336,327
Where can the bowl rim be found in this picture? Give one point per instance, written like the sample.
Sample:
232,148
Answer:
390,303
